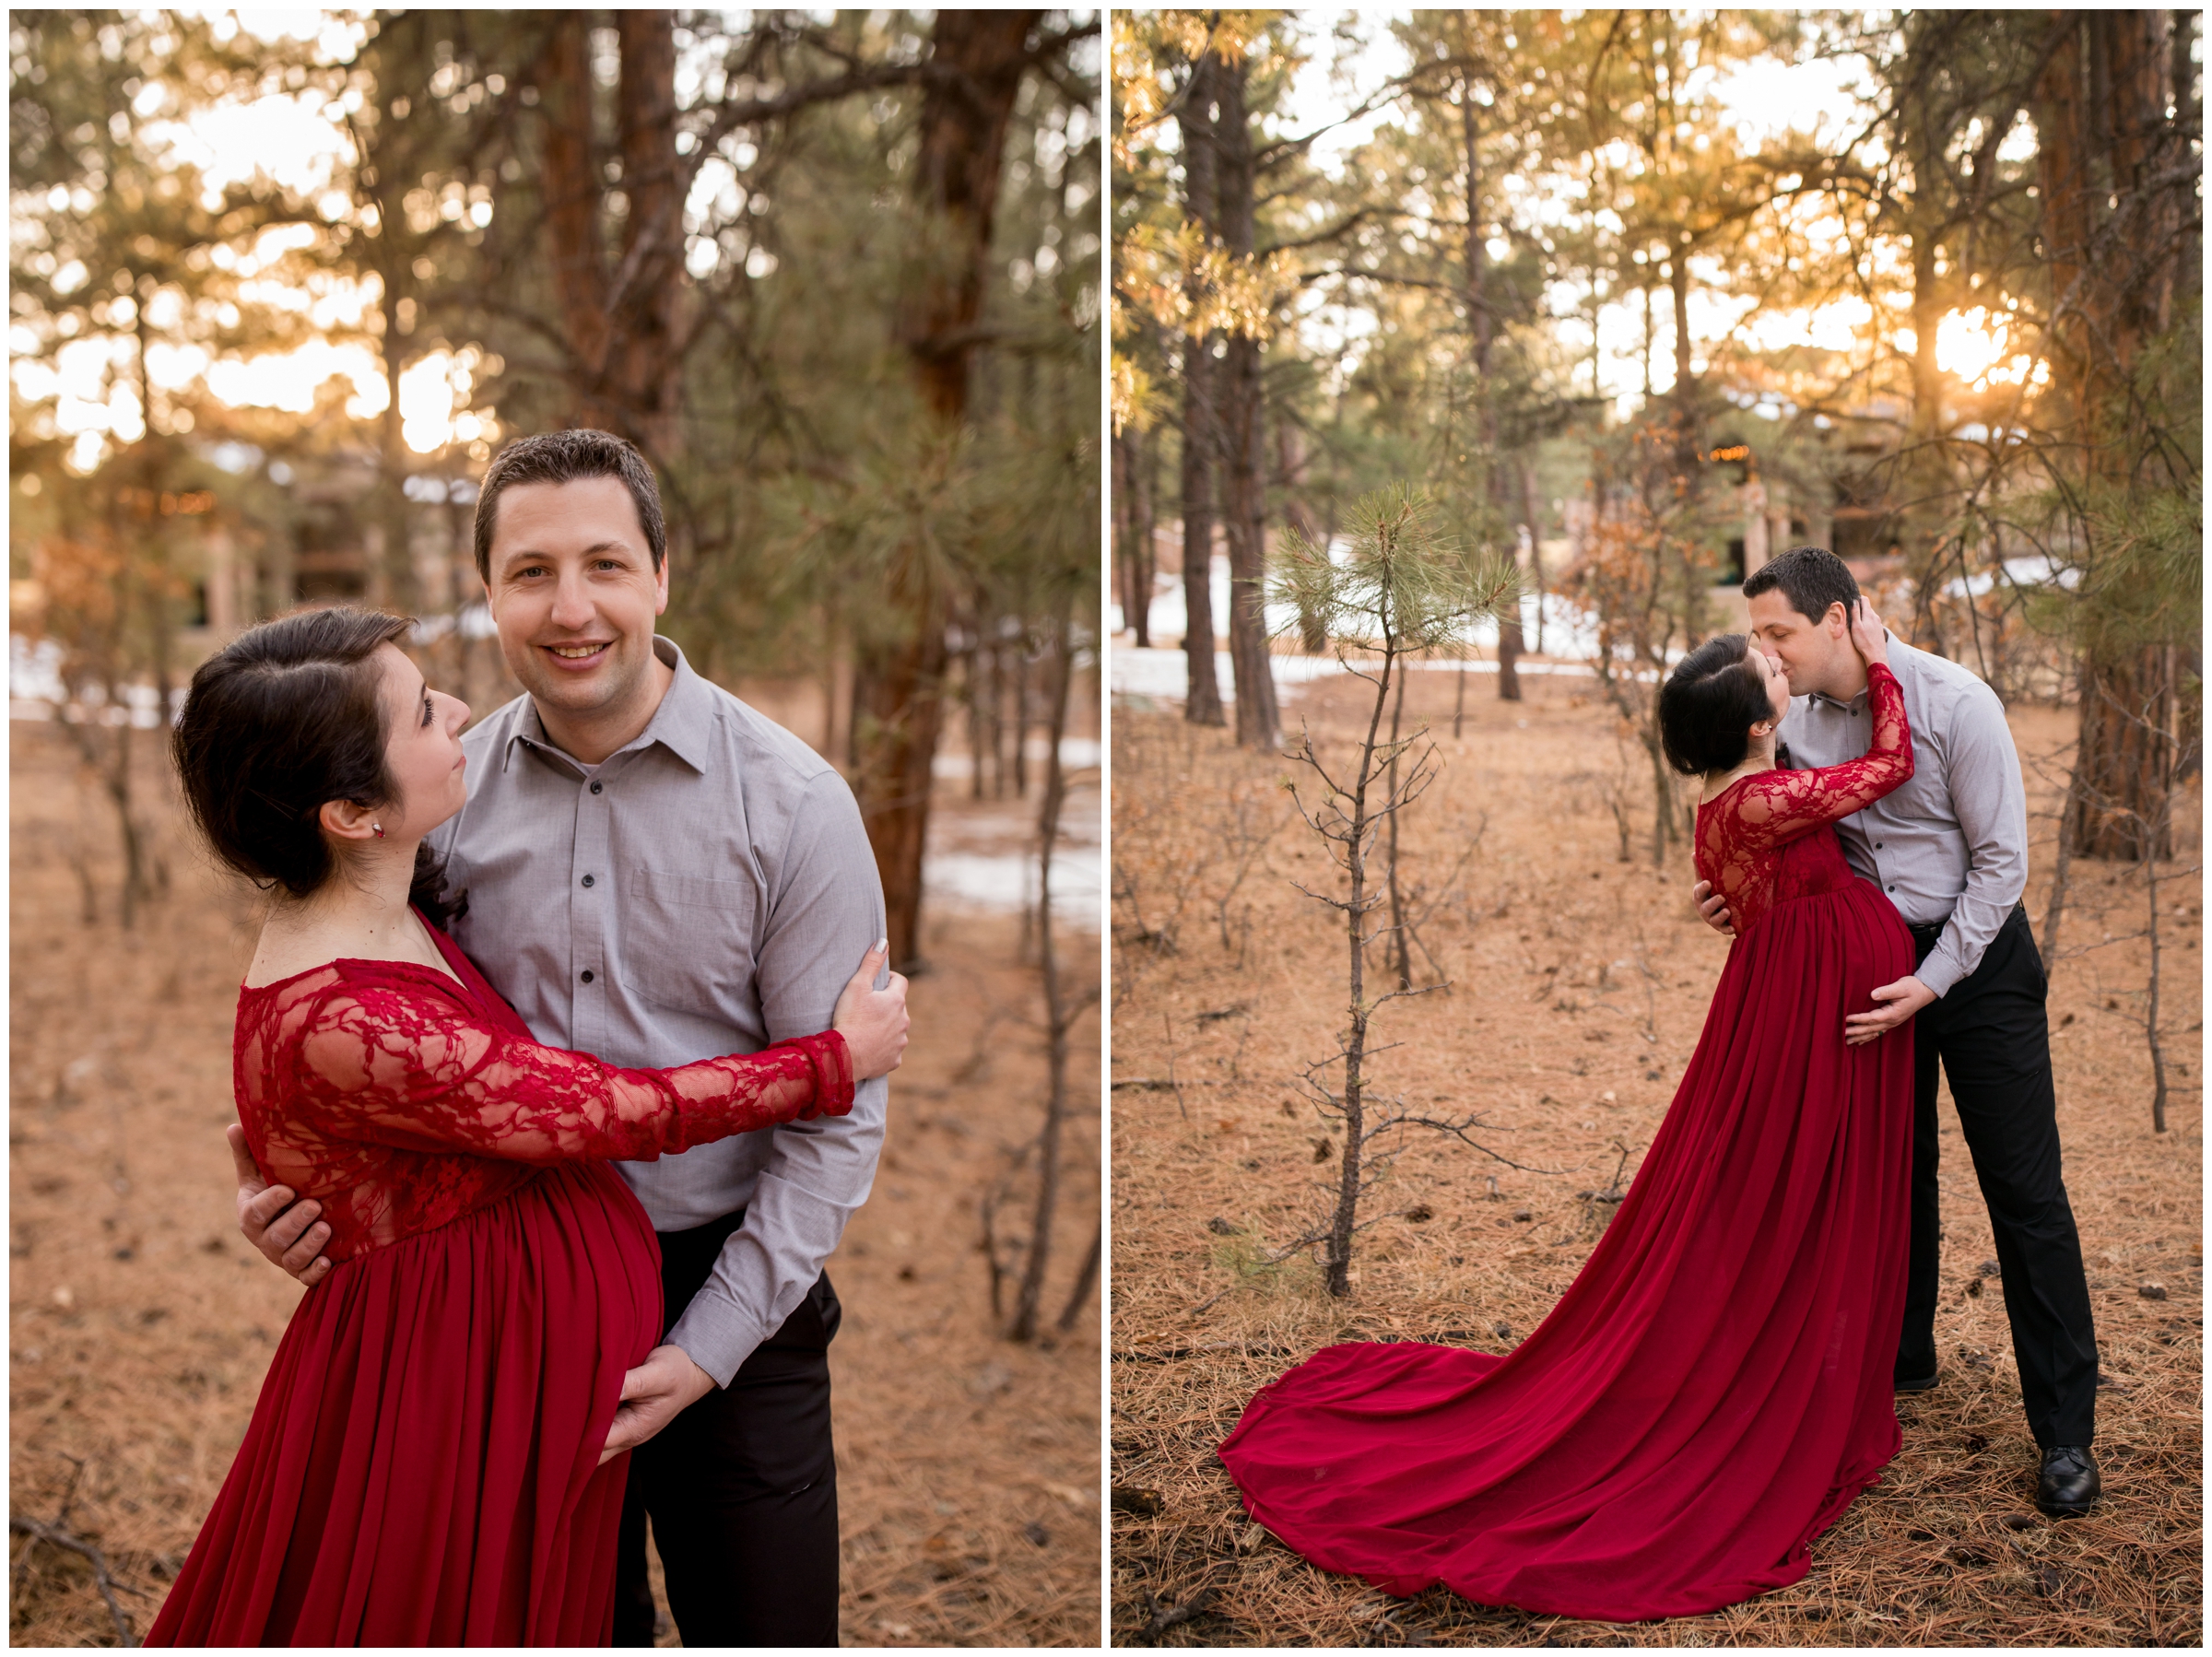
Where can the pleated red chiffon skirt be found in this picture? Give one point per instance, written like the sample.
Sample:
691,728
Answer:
1715,1386
421,1466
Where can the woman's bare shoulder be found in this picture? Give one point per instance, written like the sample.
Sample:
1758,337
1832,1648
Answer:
286,953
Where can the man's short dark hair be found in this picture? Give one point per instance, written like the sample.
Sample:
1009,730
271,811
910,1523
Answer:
564,457
1811,578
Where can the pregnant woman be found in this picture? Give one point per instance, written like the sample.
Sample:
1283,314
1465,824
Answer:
425,1463
1714,1387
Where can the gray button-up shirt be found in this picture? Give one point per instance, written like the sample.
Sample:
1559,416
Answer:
707,889
1949,846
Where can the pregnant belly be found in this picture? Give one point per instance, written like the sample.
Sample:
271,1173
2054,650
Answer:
566,1264
1848,937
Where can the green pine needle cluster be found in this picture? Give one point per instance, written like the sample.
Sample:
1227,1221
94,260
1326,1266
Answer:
1403,586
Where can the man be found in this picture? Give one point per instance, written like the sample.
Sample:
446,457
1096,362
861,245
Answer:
655,874
1951,849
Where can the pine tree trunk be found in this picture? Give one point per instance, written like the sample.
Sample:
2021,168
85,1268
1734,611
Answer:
1201,420
572,185
1058,1014
1926,486
1118,450
1510,644
1401,946
2113,293
1142,556
1337,1255
1243,440
646,369
899,686
392,584
1533,514
2126,755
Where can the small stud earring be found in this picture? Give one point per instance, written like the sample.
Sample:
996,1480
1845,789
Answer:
380,829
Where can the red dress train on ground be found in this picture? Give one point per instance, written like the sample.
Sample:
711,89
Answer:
1714,1387
422,1465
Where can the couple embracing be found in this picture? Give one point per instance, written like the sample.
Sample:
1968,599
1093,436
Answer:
1716,1385
557,1086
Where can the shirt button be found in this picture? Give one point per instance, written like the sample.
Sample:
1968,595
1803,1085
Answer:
587,880
1877,845
587,975
594,788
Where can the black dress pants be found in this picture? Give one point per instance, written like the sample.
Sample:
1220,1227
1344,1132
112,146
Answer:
1991,1034
742,1486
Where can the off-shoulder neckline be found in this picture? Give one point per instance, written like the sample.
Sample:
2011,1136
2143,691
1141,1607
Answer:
438,974
1737,784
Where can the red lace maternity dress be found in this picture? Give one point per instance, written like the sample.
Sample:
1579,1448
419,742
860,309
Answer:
1714,1388
421,1466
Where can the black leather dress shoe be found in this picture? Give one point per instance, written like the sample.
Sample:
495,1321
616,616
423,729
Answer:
2069,1486
1916,1383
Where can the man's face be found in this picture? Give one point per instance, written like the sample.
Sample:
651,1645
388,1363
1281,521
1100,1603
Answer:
574,593
1809,654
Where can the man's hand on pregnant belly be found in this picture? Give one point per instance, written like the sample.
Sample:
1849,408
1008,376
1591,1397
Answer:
1900,1002
654,1394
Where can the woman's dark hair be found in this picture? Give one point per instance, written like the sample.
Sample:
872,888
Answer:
1709,704
285,718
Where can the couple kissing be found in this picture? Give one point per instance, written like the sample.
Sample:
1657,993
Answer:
1717,1384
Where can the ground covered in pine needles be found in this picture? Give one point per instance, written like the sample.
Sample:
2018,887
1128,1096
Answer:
1578,984
140,1326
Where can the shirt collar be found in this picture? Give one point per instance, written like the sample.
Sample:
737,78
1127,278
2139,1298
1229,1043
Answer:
683,723
1858,702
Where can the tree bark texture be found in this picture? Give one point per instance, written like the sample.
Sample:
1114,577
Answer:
1677,278
899,681
1125,533
956,169
1481,329
644,370
572,185
1133,528
2102,97
1143,560
619,312
1336,1256
1059,1013
1201,423
1243,439
2126,753
393,584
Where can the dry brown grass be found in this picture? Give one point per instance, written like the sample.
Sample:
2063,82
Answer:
131,1393
1562,961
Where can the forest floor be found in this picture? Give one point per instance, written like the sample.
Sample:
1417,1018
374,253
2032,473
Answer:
140,1325
1580,977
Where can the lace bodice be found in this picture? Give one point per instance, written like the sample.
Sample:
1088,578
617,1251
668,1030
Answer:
1760,841
402,1100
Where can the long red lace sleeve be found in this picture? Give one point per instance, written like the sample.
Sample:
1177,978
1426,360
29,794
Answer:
1744,830
377,1064
1770,807
402,1100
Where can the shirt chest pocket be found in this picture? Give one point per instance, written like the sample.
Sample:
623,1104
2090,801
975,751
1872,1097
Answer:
1923,799
688,940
